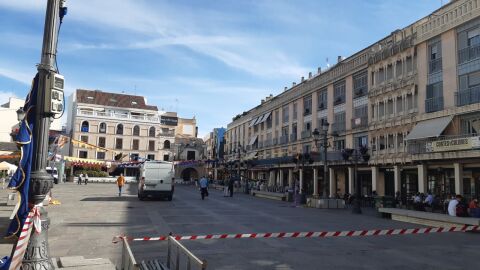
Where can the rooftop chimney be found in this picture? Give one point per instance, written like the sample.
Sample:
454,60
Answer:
285,89
293,84
303,79
339,59
319,70
310,75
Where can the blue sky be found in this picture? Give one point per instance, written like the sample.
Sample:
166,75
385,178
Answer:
208,59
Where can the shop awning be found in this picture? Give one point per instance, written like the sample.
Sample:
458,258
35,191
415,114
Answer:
264,117
252,122
429,128
252,141
84,161
251,155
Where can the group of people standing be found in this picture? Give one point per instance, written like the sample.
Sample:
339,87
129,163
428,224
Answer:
454,205
203,186
82,178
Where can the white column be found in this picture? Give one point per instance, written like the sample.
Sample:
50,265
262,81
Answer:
351,184
375,173
300,172
271,178
290,178
315,182
332,183
422,178
281,178
215,174
397,178
458,178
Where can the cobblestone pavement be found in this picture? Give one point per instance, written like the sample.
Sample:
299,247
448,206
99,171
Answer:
90,215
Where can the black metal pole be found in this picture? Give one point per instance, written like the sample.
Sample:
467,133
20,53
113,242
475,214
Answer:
37,255
358,190
325,166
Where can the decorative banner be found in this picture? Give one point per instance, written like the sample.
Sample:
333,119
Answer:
455,144
20,180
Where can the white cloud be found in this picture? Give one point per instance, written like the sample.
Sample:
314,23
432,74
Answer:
18,76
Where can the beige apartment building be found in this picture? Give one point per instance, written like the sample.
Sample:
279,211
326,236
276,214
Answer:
412,98
119,124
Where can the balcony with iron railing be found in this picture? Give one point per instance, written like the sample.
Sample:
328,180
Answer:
469,53
293,137
468,96
360,122
284,139
435,65
117,116
339,100
338,127
434,104
267,143
306,134
274,141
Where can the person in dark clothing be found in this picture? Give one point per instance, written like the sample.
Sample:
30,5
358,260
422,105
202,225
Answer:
230,187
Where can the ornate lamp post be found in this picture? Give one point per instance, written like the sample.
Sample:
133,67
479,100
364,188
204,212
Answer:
316,136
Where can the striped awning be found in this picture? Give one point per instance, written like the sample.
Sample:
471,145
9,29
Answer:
84,161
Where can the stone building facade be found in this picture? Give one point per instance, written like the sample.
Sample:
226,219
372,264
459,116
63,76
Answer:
411,98
119,125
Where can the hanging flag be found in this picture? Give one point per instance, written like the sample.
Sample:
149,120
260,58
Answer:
20,181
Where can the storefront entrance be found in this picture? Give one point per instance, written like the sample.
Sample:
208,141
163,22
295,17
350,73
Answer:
441,182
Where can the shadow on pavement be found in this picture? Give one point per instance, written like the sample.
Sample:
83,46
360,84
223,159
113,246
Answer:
110,199
96,224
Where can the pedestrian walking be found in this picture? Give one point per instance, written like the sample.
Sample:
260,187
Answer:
203,187
86,179
225,188
120,184
230,187
80,179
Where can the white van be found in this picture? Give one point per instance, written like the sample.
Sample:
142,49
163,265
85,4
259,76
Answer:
54,173
156,180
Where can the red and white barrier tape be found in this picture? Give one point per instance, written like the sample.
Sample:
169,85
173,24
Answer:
32,220
311,234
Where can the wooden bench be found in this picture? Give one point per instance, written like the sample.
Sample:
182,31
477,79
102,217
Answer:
269,195
428,218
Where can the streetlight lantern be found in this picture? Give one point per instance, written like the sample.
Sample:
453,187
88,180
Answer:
20,114
325,126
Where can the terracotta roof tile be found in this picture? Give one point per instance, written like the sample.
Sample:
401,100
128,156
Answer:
98,97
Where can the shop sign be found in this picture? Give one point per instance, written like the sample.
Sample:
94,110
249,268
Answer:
169,120
455,144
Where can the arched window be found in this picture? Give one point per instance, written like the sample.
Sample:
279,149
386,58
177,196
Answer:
166,144
119,129
136,131
85,126
151,132
102,128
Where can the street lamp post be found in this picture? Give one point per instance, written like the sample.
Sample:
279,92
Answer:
355,155
316,136
37,255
